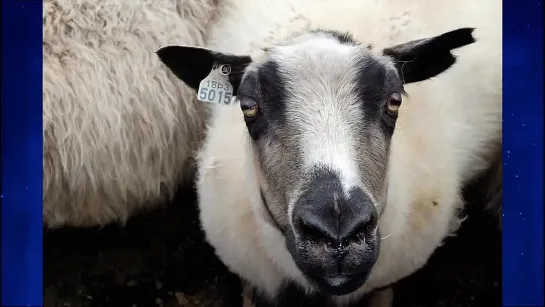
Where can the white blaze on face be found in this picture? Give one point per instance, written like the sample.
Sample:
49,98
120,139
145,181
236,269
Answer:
322,105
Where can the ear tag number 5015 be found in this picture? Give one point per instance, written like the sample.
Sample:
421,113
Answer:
216,87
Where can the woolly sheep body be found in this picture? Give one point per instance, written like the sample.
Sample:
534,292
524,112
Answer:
119,129
447,132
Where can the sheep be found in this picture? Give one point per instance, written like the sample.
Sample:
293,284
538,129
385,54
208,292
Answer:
337,167
119,132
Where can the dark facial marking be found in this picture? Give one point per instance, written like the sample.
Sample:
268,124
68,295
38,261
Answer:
375,84
266,87
273,91
250,89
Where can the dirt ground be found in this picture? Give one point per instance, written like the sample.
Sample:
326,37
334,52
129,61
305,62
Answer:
160,259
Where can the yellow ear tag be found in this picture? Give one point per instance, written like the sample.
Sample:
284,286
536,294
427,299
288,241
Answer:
216,87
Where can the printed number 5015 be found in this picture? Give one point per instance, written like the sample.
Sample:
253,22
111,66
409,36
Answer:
214,95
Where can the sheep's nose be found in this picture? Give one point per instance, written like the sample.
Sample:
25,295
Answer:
334,241
338,231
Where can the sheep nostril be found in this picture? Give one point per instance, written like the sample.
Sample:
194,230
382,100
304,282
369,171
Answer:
312,231
312,227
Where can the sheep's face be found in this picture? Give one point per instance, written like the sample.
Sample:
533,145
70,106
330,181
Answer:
320,112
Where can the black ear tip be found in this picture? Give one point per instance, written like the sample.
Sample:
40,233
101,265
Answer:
455,38
165,53
465,36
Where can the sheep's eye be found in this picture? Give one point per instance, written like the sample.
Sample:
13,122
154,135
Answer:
249,107
393,103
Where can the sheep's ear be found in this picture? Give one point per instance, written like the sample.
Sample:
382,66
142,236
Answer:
193,64
426,58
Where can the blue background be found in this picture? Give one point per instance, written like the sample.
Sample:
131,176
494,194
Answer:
22,280
523,153
21,122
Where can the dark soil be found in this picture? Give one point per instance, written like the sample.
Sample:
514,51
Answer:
160,259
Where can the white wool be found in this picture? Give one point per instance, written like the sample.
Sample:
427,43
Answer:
448,132
119,128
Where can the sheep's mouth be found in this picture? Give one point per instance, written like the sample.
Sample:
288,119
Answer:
329,274
337,285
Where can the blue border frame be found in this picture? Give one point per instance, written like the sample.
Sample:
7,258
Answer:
21,132
523,153
22,281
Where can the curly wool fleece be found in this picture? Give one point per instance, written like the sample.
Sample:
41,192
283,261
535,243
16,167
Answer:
119,129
